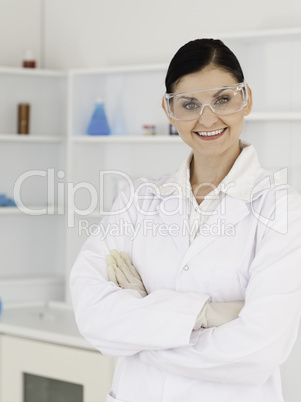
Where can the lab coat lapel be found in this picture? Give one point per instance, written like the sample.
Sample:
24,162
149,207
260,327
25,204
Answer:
173,212
229,213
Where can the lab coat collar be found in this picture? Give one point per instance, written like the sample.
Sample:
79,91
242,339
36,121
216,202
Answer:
241,179
229,212
238,183
238,186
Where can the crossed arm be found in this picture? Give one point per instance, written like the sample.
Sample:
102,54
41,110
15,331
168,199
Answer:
124,275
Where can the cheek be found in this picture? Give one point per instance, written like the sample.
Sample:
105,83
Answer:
236,123
184,128
184,131
240,125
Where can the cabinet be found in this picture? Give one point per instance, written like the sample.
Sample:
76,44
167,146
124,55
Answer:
82,174
45,372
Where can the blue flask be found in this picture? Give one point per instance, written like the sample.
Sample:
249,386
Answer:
99,124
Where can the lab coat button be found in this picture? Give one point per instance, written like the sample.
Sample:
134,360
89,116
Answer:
186,268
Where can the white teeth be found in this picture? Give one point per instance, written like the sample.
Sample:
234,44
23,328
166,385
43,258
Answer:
210,133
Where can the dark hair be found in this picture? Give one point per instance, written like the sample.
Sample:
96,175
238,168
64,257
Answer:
198,54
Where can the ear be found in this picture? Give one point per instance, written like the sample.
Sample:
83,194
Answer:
171,120
248,108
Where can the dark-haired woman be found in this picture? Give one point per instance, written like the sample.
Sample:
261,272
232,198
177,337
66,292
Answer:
203,304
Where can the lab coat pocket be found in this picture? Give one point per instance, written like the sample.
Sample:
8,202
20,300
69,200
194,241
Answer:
228,284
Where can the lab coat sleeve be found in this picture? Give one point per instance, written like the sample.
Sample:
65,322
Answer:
120,322
248,349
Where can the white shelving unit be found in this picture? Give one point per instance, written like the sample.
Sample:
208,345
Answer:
32,257
39,247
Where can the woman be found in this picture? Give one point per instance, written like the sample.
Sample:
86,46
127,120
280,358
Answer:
212,307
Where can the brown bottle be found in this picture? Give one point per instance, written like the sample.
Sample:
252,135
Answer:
23,118
28,61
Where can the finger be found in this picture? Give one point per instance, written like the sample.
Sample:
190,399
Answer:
143,293
122,279
136,278
120,263
125,258
131,267
111,266
110,260
115,254
112,275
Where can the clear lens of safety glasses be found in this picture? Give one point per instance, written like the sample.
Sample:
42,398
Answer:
221,100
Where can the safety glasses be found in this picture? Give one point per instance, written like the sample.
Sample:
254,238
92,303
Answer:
221,100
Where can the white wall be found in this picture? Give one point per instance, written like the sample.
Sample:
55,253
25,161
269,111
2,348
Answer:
90,33
93,33
20,29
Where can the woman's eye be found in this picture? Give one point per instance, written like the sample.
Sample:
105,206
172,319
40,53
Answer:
222,101
190,105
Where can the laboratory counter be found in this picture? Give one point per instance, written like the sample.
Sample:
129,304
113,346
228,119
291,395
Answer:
45,321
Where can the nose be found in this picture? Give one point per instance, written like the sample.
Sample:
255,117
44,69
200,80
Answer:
207,116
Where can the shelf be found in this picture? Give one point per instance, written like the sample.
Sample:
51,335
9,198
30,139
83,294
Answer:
255,116
35,280
29,138
35,72
90,215
265,34
128,139
35,210
9,211
121,69
276,116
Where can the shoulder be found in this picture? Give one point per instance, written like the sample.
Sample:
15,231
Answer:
146,185
271,183
143,192
275,203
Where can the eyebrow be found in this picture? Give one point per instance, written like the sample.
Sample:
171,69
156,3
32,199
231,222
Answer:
187,97
219,92
192,98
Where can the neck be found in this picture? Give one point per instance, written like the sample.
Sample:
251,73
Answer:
207,171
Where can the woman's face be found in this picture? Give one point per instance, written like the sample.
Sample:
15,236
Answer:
228,128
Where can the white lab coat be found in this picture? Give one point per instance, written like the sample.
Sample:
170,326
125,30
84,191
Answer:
250,250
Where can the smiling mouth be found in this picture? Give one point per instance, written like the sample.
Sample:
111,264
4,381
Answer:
215,133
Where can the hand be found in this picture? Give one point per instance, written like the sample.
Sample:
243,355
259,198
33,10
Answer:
123,273
216,314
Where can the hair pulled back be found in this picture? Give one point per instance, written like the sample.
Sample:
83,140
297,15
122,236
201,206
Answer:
198,54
